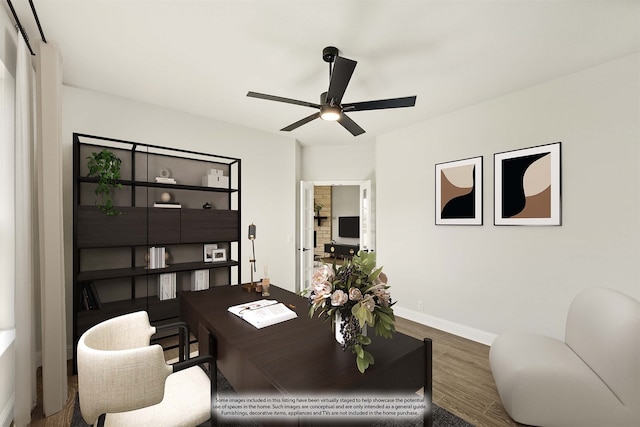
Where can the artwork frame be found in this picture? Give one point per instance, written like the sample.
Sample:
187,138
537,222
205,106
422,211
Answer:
208,251
454,206
218,255
528,186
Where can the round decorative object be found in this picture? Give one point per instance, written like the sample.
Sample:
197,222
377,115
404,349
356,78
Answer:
165,197
165,173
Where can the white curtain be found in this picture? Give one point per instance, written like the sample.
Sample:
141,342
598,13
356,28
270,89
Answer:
50,232
25,249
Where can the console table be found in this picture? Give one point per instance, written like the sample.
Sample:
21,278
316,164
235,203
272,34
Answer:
340,249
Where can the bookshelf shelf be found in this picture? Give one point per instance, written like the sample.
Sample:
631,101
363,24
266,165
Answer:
92,180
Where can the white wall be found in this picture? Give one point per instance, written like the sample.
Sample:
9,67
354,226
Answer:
268,192
484,280
345,201
339,162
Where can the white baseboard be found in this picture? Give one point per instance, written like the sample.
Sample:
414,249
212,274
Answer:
7,337
463,331
6,415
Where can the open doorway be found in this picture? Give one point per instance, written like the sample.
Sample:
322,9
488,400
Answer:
336,221
325,219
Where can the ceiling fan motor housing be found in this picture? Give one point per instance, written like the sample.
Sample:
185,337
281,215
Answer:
329,53
330,112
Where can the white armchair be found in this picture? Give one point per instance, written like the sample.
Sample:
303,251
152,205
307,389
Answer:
590,379
124,381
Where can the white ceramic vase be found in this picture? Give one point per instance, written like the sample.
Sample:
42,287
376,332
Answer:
339,320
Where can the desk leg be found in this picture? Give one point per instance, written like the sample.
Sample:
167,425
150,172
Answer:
428,382
213,377
204,340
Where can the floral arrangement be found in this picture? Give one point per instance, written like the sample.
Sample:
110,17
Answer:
357,292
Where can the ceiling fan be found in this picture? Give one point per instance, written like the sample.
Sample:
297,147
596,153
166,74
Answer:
331,107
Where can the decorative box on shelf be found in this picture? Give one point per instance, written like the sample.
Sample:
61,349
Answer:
215,178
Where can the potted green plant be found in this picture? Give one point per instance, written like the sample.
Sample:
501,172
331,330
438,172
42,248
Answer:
105,165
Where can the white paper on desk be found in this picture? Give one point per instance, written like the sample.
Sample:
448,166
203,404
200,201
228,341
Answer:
263,313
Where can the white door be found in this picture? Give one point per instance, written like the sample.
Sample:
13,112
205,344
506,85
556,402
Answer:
366,220
306,248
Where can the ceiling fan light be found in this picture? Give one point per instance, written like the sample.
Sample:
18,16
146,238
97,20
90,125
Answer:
330,113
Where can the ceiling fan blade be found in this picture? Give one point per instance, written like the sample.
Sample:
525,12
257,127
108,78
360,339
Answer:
342,71
350,125
301,122
381,104
281,99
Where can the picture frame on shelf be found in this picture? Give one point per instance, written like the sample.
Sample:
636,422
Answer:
208,251
527,186
218,255
458,195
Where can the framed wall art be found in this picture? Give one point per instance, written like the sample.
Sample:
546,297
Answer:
459,192
527,186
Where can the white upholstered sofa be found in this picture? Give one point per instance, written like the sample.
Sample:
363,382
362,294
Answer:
590,379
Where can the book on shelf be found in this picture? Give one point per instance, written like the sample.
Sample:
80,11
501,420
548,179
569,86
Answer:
167,205
90,298
163,180
85,299
166,286
157,258
199,280
263,313
94,296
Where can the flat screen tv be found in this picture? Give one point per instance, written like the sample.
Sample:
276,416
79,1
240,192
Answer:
349,226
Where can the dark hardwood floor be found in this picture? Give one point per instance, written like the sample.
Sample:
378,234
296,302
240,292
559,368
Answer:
462,381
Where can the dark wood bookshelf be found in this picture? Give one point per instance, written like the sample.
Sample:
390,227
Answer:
112,247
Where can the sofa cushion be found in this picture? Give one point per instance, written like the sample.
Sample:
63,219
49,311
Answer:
541,381
603,327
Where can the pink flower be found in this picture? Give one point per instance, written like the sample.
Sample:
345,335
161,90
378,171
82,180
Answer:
384,296
369,303
338,298
321,277
355,294
323,290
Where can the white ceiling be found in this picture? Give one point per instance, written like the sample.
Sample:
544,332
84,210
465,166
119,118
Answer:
202,57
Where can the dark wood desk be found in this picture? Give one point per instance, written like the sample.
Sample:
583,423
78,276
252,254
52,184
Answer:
299,355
